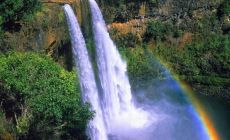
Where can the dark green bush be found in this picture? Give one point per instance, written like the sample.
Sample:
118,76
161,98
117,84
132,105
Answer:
46,97
224,8
14,10
155,30
120,11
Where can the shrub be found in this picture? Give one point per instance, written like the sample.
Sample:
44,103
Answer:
14,10
45,94
155,30
224,8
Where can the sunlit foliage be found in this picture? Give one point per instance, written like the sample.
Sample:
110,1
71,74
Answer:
42,96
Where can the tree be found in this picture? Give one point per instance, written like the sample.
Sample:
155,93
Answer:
12,11
155,30
41,97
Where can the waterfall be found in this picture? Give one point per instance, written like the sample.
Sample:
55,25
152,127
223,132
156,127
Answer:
96,128
117,106
117,117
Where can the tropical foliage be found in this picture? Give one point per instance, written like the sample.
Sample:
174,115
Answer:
41,97
14,10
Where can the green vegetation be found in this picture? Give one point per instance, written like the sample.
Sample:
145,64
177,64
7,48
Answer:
203,63
224,9
194,46
159,31
41,97
124,10
15,10
6,128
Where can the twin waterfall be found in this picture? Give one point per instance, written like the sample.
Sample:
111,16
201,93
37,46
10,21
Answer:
113,102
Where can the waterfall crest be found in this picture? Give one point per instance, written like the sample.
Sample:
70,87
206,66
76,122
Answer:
116,102
96,128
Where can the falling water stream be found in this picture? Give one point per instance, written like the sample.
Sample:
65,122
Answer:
89,90
117,105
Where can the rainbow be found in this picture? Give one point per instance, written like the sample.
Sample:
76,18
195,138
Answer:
203,115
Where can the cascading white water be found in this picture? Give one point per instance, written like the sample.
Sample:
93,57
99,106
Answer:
123,120
117,106
96,128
